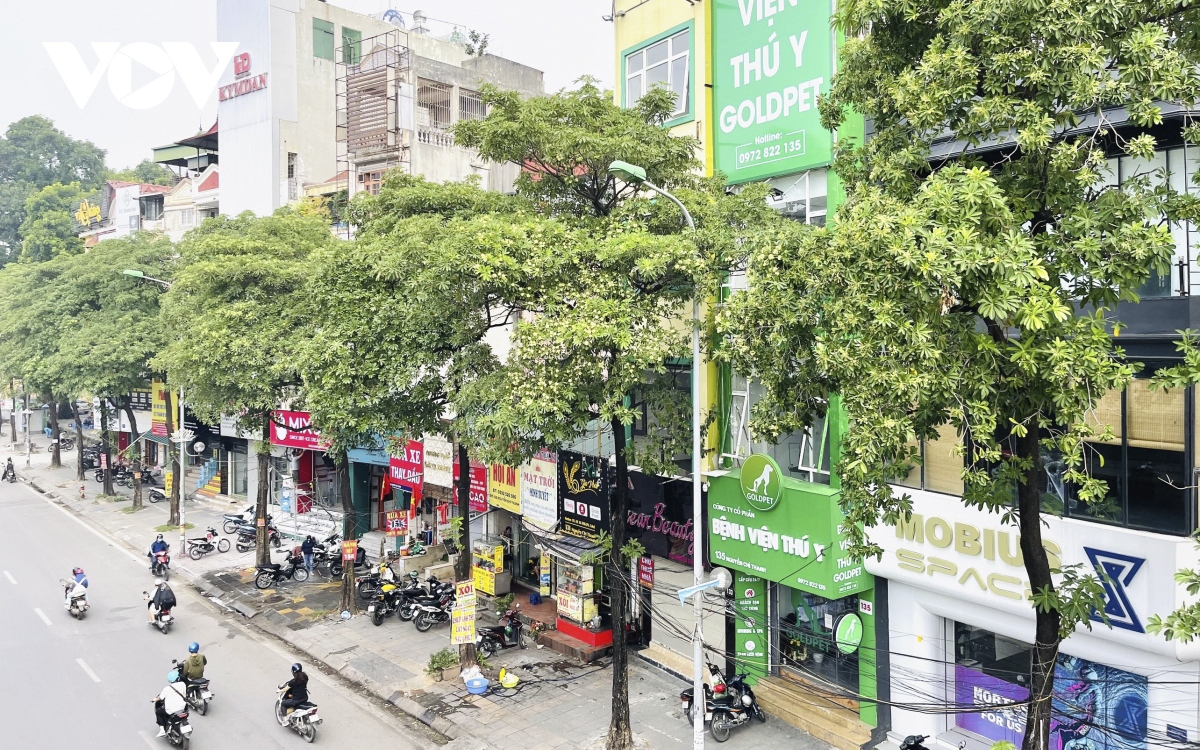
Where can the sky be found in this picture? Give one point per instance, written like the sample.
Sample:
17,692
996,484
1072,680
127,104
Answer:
564,38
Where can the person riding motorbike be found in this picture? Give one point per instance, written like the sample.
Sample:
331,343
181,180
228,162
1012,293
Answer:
163,598
193,666
297,692
10,471
80,579
167,703
158,545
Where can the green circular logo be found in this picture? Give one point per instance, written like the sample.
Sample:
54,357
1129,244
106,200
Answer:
762,482
848,632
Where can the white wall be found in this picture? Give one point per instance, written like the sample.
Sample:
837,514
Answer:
248,133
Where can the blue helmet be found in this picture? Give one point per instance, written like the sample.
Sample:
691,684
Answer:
296,667
173,676
194,648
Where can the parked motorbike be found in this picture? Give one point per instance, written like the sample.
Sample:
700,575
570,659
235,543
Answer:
303,719
248,537
232,521
198,548
427,615
198,693
66,443
119,473
510,632
269,575
162,618
157,496
914,742
327,556
433,593
728,703
387,601
78,596
161,565
179,731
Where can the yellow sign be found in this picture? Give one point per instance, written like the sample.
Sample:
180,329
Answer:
544,574
464,594
87,213
485,581
158,408
168,475
462,625
504,488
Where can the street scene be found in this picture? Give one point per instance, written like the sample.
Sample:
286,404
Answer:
603,374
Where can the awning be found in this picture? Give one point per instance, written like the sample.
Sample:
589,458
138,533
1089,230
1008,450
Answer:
562,545
160,439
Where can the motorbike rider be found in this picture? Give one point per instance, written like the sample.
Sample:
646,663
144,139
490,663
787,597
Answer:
163,598
158,545
9,469
170,701
80,579
193,666
297,692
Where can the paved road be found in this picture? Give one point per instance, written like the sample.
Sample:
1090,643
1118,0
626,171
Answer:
71,684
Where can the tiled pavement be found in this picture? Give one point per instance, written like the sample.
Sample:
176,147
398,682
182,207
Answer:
558,704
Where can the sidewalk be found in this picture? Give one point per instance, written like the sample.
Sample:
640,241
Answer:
558,704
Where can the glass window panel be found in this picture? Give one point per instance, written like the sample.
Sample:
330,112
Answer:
679,83
1157,500
1107,412
943,467
633,63
914,475
1153,168
1155,418
994,655
656,53
656,74
633,90
681,43
1102,462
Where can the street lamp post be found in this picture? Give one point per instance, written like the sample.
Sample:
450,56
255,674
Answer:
636,175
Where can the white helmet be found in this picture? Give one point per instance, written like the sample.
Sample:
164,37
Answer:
158,582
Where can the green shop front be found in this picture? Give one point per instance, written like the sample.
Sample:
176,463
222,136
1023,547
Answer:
803,610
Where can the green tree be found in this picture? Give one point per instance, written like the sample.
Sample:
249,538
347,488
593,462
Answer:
147,173
33,155
49,228
236,321
972,291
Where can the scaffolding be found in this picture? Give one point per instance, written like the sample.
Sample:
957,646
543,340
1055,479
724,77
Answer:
374,124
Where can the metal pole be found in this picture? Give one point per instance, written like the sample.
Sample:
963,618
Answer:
28,414
182,471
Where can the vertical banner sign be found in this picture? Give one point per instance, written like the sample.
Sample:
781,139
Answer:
583,490
407,470
158,408
395,523
439,460
645,571
479,486
464,594
771,58
504,490
349,550
750,623
544,574
462,626
539,490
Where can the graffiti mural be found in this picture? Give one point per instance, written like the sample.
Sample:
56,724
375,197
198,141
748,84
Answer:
1097,707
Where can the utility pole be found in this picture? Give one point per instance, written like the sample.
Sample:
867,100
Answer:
27,414
182,473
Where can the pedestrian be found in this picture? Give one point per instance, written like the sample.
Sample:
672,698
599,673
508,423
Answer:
307,548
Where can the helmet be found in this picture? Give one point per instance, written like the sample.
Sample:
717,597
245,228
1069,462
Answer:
296,668
159,582
158,538
76,571
173,676
195,647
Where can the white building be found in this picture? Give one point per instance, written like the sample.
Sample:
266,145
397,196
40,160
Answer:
123,208
191,201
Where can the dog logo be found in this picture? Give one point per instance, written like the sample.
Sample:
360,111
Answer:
762,482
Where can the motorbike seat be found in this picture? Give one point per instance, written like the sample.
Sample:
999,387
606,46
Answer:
306,705
272,566
201,682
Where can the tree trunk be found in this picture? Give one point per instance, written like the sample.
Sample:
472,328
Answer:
462,568
1037,567
262,540
620,735
349,531
12,420
175,459
107,442
55,453
78,442
135,450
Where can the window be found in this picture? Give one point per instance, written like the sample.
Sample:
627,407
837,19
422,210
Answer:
433,104
152,207
322,39
370,182
803,455
292,188
941,467
351,46
470,105
664,62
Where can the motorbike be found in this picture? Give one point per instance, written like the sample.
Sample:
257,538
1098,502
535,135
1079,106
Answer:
162,618
510,632
327,556
914,742
10,475
232,521
387,601
66,443
269,575
198,693
78,596
429,614
157,496
119,474
303,719
432,593
247,537
179,731
198,548
727,703
160,566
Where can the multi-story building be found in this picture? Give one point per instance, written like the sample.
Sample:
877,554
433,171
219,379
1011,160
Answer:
122,208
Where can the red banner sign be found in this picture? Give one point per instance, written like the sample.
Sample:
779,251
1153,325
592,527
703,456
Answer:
395,523
479,490
646,571
408,470
293,429
349,550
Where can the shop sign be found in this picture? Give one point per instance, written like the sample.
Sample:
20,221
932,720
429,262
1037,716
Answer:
86,214
244,80
464,594
484,580
750,624
990,696
660,516
544,574
395,523
645,571
762,482
773,58
462,626
479,486
229,427
504,489
583,484
797,543
349,549
439,460
407,469
293,429
158,408
539,490
848,632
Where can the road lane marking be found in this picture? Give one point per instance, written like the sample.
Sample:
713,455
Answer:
11,580
146,736
42,615
87,669
107,540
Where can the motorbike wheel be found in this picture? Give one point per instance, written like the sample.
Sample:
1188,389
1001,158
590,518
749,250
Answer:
487,648
99,477
720,727
223,545
309,733
166,628
691,719
263,580
229,527
166,574
366,590
377,616
301,575
276,542
335,569
243,547
405,613
422,622
196,552
186,743
202,706
758,713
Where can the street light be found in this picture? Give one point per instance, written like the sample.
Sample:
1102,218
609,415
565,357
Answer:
141,275
636,175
